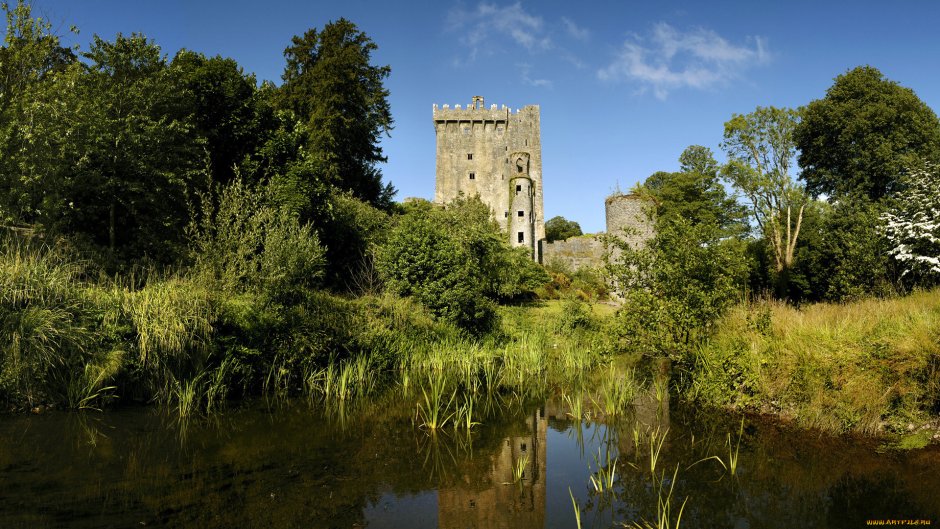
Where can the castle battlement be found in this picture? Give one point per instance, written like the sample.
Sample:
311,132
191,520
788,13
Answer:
477,111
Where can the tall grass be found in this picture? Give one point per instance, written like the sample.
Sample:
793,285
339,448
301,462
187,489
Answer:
44,321
172,326
867,366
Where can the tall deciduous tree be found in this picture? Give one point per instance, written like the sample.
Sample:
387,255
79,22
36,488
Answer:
559,228
331,84
29,55
696,193
863,134
761,150
227,108
116,154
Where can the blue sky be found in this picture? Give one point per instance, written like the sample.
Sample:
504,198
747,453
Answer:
623,86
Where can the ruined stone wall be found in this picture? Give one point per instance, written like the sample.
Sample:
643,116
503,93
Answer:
585,251
494,153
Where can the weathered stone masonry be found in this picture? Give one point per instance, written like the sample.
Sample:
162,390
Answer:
626,218
497,154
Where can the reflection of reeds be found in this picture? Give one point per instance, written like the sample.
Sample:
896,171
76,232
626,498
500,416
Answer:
665,505
518,470
603,479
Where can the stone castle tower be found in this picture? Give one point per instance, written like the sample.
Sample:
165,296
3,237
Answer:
497,154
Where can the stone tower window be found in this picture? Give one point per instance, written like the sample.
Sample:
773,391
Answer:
518,189
469,155
506,214
473,176
521,236
521,213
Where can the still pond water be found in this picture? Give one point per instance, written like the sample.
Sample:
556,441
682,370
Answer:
291,466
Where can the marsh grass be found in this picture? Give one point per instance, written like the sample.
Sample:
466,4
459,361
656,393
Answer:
518,469
44,321
666,515
603,478
617,390
435,409
866,366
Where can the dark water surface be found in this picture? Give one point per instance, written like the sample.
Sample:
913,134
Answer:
292,466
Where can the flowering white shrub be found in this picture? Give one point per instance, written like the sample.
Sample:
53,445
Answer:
912,225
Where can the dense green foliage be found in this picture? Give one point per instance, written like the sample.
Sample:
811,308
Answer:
456,262
695,193
676,287
863,135
171,231
559,228
331,85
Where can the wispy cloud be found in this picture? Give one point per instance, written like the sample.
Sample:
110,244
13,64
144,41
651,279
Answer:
669,59
489,26
525,71
575,31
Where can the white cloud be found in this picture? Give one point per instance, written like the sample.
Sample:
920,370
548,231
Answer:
489,26
669,59
525,70
575,31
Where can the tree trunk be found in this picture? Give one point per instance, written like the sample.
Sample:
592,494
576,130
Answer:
112,236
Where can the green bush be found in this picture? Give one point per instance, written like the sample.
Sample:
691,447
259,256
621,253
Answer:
426,260
676,287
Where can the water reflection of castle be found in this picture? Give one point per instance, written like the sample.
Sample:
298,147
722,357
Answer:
496,501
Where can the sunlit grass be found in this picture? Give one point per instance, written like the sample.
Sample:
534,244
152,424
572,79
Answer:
863,366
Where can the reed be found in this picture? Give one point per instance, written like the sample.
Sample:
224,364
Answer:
666,517
434,411
657,438
617,392
577,510
603,479
733,451
518,470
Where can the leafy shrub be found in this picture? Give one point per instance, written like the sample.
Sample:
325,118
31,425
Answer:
426,260
676,287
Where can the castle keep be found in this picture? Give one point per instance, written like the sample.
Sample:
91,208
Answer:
497,154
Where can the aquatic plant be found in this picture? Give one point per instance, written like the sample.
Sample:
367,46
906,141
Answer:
518,470
657,438
617,392
577,510
434,410
603,479
666,518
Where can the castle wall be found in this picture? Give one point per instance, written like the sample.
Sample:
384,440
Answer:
585,251
489,152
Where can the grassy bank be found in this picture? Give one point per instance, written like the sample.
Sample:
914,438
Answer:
871,366
70,338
